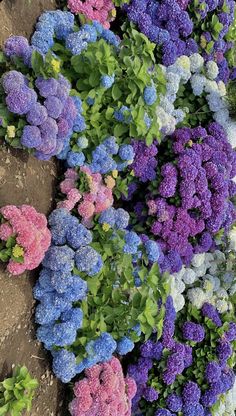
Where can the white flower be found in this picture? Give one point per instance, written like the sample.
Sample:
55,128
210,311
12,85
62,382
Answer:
189,276
220,256
212,69
201,270
221,116
232,239
222,306
179,302
196,296
222,88
215,101
196,62
211,86
230,128
173,82
198,84
198,260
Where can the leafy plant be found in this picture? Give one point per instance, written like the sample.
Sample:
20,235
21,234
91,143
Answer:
17,392
114,304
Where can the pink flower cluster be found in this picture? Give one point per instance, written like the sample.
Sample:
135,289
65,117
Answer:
97,199
101,10
104,391
32,236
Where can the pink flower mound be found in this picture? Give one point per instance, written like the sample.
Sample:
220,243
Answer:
104,391
101,10
31,233
96,198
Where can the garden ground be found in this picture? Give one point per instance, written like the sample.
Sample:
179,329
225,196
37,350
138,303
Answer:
25,180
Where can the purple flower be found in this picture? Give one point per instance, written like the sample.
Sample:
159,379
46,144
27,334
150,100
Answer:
230,334
191,393
212,372
37,114
224,350
209,398
31,137
16,46
210,312
20,101
12,80
193,332
174,402
150,394
47,87
54,106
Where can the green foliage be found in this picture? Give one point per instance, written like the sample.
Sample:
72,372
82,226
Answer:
114,304
17,392
46,67
131,66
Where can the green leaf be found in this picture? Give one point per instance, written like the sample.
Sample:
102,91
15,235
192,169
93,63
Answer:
116,92
8,384
37,62
4,409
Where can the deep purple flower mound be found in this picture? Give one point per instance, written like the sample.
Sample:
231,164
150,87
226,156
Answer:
177,377
188,200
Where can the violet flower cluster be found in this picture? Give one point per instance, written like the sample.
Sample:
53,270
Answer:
51,114
176,377
191,197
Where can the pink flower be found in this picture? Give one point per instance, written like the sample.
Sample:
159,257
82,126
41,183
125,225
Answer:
67,185
5,231
99,10
86,209
32,235
69,205
111,395
74,195
71,174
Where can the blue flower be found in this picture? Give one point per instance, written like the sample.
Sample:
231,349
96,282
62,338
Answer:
104,346
64,365
108,217
91,31
124,346
78,235
153,251
126,152
59,258
75,316
150,95
86,259
132,241
111,146
64,334
107,81
76,42
121,219
75,159
61,280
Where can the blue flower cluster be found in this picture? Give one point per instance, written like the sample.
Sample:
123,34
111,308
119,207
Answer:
52,24
103,160
116,218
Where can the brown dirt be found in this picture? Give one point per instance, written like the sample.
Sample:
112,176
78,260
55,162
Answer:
23,179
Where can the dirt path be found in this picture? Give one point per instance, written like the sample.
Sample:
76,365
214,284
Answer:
23,179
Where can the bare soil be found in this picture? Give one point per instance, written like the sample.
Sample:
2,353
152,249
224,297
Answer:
23,179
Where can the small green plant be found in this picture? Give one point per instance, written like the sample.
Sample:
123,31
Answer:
17,392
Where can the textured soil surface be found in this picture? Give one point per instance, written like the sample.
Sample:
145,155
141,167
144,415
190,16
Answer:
24,179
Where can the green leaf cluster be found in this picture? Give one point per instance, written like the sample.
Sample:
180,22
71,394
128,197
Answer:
133,65
114,304
17,392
